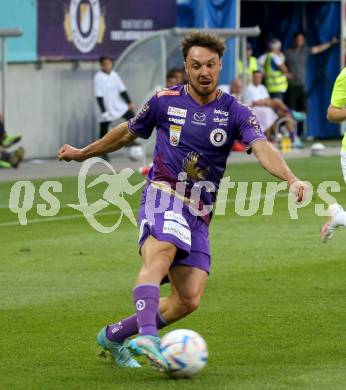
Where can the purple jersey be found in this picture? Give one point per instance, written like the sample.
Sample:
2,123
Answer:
193,141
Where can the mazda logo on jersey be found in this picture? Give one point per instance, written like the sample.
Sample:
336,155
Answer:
199,116
218,137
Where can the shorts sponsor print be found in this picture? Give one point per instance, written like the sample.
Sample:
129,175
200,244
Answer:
167,218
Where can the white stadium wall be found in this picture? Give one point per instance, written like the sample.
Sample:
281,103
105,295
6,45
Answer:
51,105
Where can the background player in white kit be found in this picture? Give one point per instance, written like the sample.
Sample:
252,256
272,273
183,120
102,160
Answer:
112,98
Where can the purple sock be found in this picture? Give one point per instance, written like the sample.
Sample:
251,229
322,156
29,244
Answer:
128,327
146,298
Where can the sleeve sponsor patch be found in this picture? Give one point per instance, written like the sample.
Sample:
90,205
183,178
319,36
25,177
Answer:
254,123
167,92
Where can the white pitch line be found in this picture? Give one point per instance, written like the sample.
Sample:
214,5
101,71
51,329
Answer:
78,216
50,219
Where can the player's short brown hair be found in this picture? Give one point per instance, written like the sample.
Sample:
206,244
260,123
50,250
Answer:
202,39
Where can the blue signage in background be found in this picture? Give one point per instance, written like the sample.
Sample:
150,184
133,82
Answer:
20,14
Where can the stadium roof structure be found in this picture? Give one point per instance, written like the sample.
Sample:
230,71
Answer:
143,65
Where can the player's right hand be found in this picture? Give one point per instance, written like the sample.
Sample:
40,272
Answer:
300,190
69,153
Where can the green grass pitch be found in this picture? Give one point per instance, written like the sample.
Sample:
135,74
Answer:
273,314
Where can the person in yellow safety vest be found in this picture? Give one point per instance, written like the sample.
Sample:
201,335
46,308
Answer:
275,70
252,64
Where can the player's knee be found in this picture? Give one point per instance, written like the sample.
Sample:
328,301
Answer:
191,304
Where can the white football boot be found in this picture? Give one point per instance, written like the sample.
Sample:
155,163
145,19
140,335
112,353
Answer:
333,222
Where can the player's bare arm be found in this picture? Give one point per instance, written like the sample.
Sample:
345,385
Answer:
336,115
112,141
271,160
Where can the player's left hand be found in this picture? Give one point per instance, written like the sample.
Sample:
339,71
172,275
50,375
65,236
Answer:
300,190
69,153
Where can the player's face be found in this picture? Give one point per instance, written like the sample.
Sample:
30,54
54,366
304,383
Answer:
203,68
107,66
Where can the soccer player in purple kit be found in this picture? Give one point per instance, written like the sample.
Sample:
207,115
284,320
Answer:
196,125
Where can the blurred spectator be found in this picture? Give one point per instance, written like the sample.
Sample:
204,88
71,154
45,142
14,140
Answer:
174,77
7,140
9,159
111,95
252,64
268,110
236,89
296,61
261,61
275,70
256,96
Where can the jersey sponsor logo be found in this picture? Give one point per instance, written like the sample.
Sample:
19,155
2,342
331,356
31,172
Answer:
221,121
177,121
167,92
84,24
218,137
221,112
175,111
174,134
175,229
199,118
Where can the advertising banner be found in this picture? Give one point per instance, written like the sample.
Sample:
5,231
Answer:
87,29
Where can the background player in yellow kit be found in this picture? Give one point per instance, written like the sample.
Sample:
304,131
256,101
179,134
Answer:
337,113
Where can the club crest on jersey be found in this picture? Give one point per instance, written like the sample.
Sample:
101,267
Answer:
174,134
175,111
218,137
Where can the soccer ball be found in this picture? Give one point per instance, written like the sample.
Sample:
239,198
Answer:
136,153
318,149
185,351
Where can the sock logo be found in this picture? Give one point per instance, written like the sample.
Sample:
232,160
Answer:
140,305
117,327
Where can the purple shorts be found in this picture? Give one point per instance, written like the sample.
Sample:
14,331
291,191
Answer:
165,217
